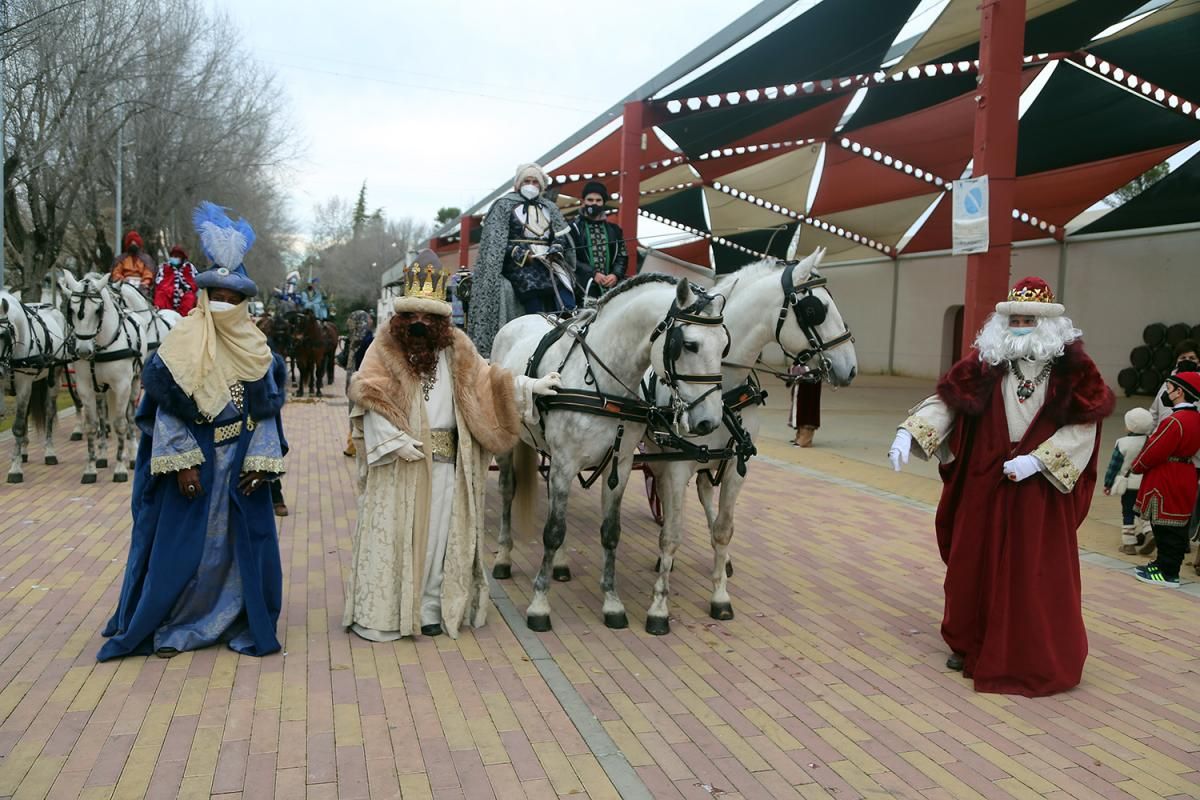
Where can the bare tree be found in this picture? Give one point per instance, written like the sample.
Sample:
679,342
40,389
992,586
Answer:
200,121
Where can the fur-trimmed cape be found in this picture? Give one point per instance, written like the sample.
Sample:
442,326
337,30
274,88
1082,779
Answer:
483,393
1076,393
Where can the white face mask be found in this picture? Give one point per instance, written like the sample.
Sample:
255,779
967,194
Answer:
530,191
220,305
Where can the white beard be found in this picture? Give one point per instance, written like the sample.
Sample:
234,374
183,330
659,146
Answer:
997,344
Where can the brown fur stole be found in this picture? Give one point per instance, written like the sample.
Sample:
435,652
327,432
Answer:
1076,394
484,394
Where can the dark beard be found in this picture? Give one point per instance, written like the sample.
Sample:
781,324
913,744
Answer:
421,352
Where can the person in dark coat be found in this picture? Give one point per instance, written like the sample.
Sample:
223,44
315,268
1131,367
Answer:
204,565
600,255
1168,491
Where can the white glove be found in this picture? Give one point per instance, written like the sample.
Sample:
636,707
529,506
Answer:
901,447
547,385
1021,467
411,451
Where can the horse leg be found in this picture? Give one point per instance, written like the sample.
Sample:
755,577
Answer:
91,430
119,415
135,389
537,616
103,426
502,566
671,488
20,429
562,570
318,374
704,490
719,606
610,537
51,417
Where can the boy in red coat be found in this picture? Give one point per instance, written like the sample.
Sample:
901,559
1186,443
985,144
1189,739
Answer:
1168,491
175,284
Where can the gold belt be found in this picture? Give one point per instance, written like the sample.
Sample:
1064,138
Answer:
443,444
223,433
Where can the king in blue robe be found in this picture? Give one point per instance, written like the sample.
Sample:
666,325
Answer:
204,565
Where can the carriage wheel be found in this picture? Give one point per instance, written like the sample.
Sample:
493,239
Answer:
656,509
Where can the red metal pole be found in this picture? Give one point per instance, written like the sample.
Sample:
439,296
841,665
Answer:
633,138
1001,50
466,224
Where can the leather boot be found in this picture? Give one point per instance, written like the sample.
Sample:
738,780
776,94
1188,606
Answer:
804,436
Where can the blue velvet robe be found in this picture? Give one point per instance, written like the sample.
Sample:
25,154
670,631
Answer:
205,570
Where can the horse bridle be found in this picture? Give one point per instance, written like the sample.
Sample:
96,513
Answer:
96,294
671,327
809,312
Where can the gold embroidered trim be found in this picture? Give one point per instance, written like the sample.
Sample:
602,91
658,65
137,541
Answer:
237,394
443,443
924,434
162,465
263,464
1058,464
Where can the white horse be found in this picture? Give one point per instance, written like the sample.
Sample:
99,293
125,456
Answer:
32,352
768,302
649,320
110,349
156,322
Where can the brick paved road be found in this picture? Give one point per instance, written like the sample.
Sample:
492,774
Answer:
829,683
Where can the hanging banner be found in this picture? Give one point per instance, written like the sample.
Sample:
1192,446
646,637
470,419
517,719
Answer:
969,229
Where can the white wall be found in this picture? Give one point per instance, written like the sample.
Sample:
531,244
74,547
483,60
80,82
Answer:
1114,288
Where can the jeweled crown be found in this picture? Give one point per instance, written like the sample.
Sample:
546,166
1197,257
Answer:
425,282
1027,294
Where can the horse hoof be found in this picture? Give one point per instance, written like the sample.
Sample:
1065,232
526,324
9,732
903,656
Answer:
24,458
502,572
51,460
561,574
720,610
120,477
76,437
729,568
615,620
88,478
658,626
16,477
538,623
101,462
658,565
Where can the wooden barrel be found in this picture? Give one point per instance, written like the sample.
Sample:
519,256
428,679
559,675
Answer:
1154,334
1127,379
1178,332
1148,381
1141,356
1163,359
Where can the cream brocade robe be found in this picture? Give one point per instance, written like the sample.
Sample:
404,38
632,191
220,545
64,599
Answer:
385,584
1062,457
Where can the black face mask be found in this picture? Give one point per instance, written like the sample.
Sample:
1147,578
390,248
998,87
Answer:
1166,400
1186,366
133,249
593,212
418,329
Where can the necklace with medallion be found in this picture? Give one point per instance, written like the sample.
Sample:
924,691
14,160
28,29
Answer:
1027,386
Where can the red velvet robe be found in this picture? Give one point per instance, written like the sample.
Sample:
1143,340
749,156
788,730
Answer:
1168,491
1012,586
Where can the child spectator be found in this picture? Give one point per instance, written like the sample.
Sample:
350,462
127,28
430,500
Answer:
1119,481
1168,490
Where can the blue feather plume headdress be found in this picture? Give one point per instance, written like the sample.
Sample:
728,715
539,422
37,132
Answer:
224,241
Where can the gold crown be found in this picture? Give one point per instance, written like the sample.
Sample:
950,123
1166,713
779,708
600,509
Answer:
425,283
1031,295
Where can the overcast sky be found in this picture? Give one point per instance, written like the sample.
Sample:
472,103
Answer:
434,103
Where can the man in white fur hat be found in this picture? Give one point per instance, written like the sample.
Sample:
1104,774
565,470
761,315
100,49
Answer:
526,259
1016,427
428,413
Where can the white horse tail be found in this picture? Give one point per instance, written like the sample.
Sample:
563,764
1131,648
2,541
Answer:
37,401
525,471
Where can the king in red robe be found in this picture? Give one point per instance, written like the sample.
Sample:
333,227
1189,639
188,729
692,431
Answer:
1015,426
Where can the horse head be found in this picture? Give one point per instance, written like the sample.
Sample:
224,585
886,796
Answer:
88,306
686,351
810,329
